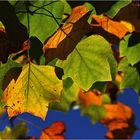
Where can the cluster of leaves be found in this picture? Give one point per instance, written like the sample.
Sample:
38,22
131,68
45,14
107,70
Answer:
60,57
54,131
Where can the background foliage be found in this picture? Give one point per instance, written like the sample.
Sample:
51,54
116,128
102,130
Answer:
59,55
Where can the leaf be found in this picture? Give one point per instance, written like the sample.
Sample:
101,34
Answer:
41,16
4,68
32,91
67,7
116,7
2,108
90,7
130,14
119,119
130,47
63,42
54,131
113,27
89,62
92,104
131,78
18,132
94,112
69,95
90,97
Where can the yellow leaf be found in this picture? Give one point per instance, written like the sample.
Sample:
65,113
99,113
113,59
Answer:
32,91
128,25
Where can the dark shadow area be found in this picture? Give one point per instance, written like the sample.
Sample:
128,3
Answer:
100,6
13,73
35,51
134,39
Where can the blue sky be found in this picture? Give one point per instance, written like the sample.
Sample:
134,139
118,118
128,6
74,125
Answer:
77,126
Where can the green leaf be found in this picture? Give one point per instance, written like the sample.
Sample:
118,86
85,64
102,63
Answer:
67,8
106,99
94,112
4,68
116,7
69,95
18,132
42,22
35,87
131,78
131,52
89,62
90,7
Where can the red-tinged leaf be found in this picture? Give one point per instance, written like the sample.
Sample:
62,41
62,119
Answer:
63,42
120,121
113,27
54,131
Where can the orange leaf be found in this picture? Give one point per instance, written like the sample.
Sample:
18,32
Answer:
54,131
113,27
129,16
119,120
90,97
62,43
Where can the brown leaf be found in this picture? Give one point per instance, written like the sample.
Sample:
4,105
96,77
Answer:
119,119
54,131
62,43
113,27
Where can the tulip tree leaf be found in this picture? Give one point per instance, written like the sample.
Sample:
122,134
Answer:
89,62
35,87
42,22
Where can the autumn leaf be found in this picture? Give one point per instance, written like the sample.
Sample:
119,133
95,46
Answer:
54,131
129,16
35,87
90,97
113,27
119,120
63,42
